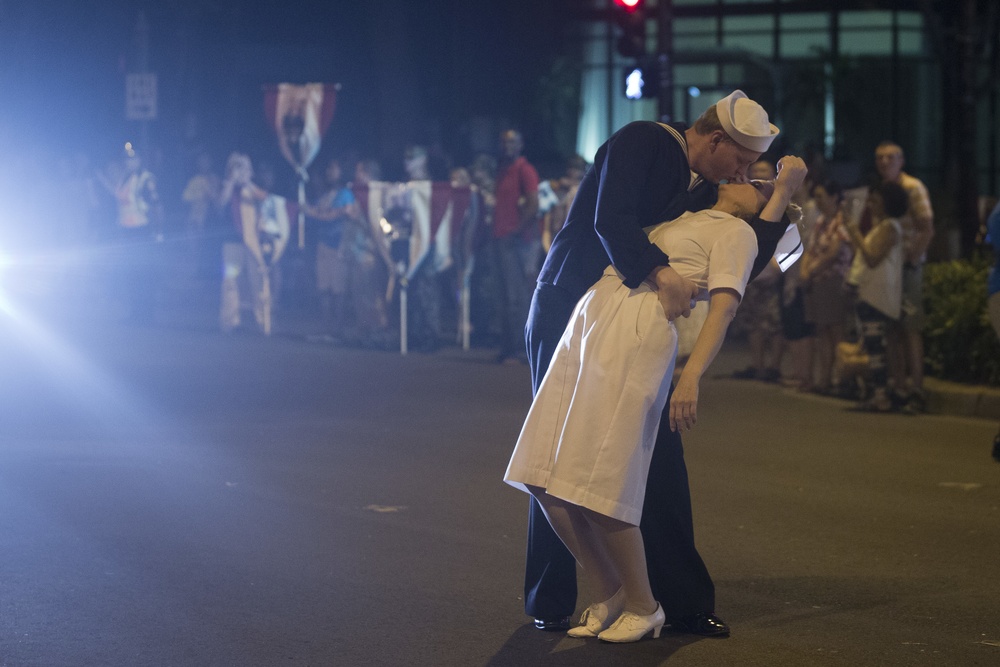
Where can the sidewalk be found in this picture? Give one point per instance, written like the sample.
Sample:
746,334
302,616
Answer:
943,397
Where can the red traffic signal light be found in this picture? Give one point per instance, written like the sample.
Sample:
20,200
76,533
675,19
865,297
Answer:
629,5
630,15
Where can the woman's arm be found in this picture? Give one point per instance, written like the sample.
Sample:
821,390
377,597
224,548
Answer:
722,307
809,266
814,263
326,210
792,171
876,245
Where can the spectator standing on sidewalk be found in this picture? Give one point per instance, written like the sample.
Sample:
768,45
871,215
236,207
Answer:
244,267
140,227
334,211
370,266
555,196
424,293
514,229
906,342
823,268
201,195
877,272
483,315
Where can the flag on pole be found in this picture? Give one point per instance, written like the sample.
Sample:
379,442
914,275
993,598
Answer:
437,213
300,115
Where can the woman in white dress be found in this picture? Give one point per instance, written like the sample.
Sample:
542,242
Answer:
585,447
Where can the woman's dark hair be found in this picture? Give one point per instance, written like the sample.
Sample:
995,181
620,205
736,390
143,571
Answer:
895,201
832,187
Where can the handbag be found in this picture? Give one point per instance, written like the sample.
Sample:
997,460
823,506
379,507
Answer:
850,360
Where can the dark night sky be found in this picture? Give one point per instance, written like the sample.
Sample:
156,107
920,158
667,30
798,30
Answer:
411,70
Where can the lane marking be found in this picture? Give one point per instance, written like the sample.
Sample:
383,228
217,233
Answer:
964,486
385,508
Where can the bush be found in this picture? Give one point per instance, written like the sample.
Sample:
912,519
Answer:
959,341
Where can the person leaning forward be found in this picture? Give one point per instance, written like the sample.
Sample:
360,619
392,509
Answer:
643,174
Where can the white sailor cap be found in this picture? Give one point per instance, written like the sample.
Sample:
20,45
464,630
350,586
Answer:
746,122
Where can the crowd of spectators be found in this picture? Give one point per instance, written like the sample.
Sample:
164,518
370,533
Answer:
143,225
235,235
854,294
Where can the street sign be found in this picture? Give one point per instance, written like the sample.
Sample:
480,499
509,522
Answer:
140,96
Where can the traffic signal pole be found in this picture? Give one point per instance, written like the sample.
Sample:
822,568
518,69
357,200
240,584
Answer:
665,59
631,17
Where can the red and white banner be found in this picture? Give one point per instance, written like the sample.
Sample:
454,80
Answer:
300,115
437,210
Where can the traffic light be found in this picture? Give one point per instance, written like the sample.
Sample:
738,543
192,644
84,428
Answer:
642,80
630,5
631,17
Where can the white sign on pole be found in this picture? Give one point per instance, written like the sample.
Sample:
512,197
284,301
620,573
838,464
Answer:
140,96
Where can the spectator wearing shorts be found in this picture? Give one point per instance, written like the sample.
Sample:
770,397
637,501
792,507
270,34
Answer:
905,336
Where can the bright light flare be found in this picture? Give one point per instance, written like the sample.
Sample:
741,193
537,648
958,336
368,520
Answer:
5,262
75,378
29,279
27,284
629,5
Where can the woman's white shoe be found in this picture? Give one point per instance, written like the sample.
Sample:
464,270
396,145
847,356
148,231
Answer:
631,627
599,616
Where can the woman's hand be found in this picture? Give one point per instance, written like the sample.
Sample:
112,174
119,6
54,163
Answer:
684,405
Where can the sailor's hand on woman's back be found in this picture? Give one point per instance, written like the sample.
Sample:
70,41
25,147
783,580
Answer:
674,291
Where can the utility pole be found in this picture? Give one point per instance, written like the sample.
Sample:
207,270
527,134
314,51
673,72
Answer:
665,59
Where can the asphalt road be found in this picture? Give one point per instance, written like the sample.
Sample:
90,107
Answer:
176,497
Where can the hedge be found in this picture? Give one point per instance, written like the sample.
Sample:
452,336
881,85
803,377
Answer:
959,341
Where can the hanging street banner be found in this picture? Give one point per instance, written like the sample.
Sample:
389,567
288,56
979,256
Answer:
300,115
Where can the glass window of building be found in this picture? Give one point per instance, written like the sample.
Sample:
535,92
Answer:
810,21
804,35
696,75
911,43
758,24
865,19
695,26
750,33
734,74
865,42
803,44
695,34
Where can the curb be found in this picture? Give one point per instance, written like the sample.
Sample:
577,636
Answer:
950,398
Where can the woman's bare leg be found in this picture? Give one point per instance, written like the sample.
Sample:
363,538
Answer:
623,543
578,534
